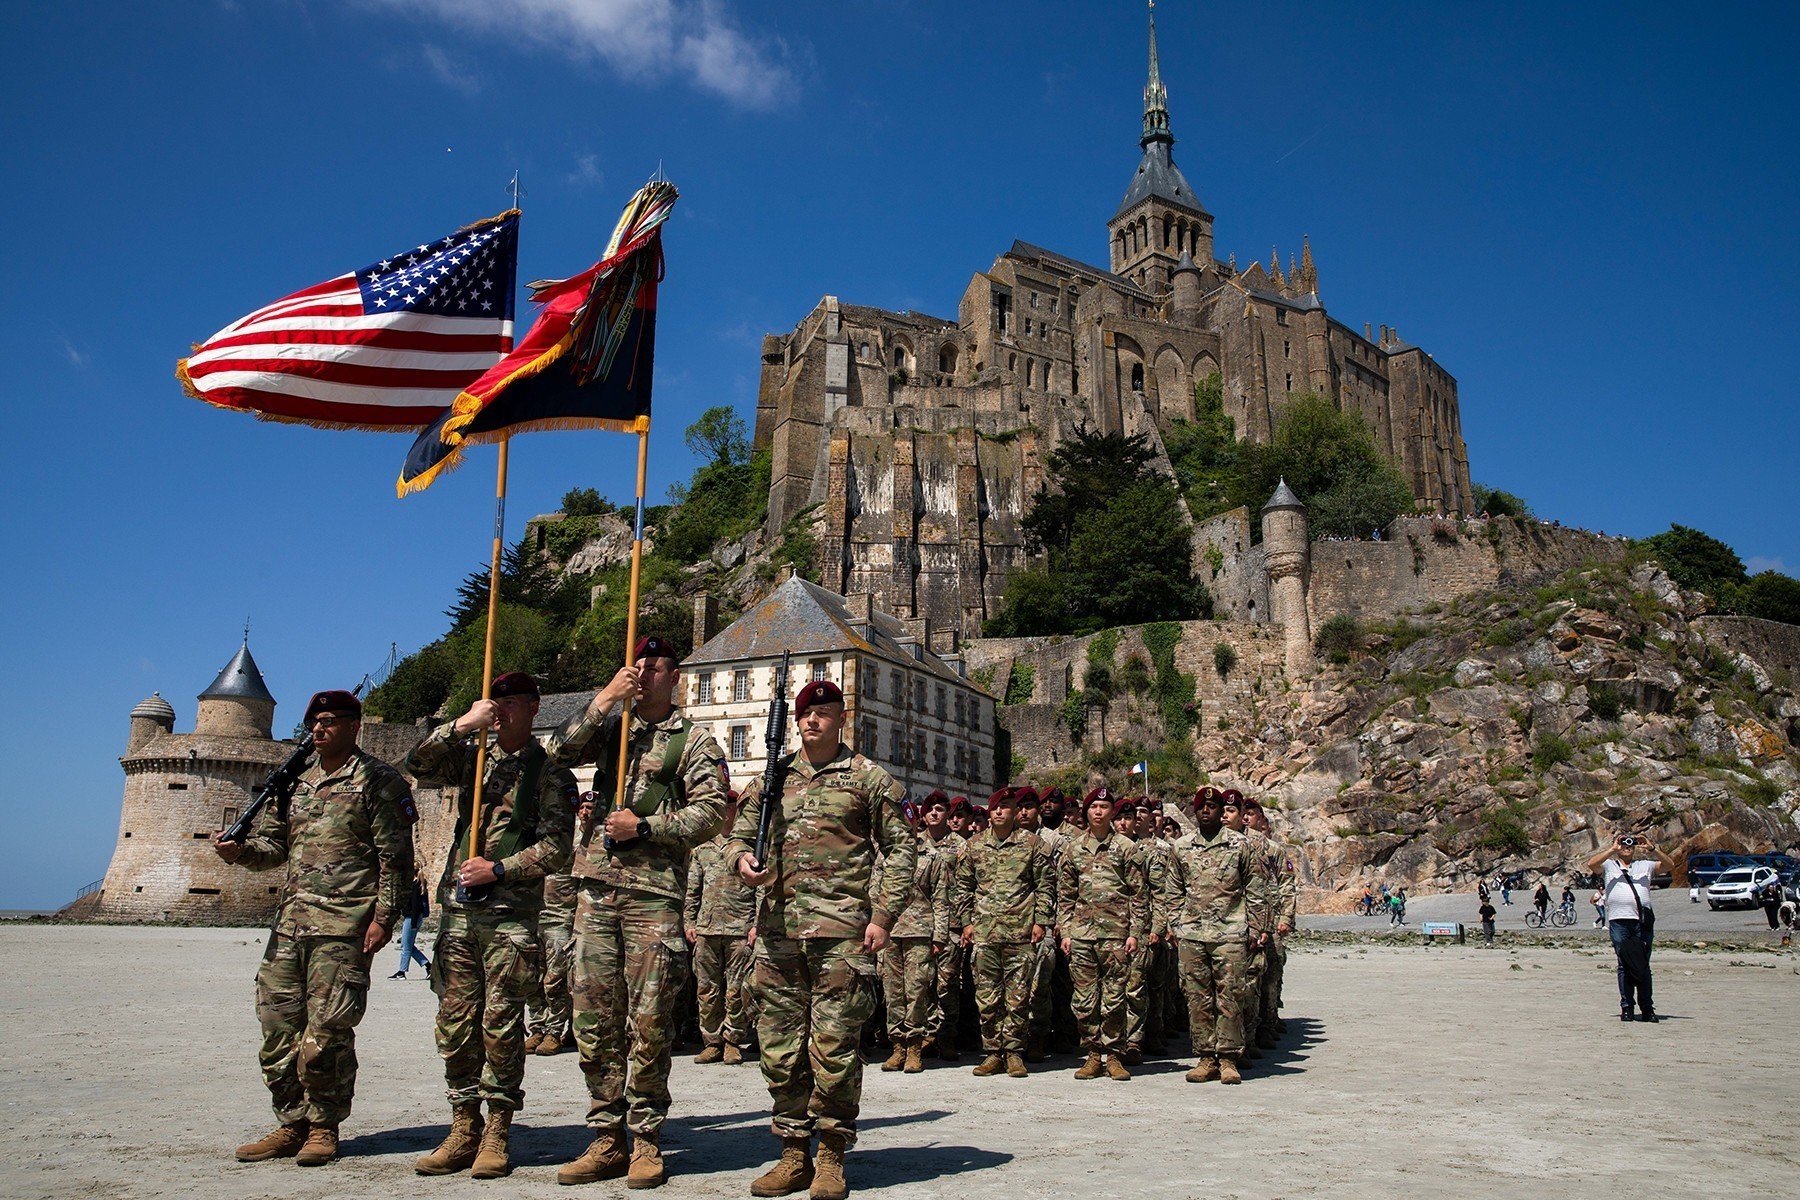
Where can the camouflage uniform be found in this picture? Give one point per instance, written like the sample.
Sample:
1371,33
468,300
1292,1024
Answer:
1211,885
946,986
1102,898
908,969
346,841
630,951
718,912
1142,1022
1003,887
1262,927
1042,1004
814,982
489,962
1284,901
556,930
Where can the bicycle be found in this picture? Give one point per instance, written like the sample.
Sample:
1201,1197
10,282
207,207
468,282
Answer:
1562,917
1368,906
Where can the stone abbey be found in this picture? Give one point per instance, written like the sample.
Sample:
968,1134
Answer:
922,438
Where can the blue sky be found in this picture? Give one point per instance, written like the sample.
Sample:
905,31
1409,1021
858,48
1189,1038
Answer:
1585,212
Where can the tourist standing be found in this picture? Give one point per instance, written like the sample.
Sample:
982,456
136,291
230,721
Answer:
1629,866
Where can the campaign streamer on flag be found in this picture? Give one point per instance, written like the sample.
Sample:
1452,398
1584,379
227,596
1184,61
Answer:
585,364
387,347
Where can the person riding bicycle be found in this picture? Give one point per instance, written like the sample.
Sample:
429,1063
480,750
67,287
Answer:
1568,898
1541,899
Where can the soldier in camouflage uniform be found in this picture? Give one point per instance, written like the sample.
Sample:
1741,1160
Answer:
717,916
909,963
1256,950
488,961
947,984
1127,814
1003,890
1043,960
1212,883
819,929
1102,912
345,839
1284,900
630,950
549,1026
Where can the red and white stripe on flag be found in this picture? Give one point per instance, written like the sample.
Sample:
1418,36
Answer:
387,347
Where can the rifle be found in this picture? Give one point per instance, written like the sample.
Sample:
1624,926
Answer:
776,740
278,786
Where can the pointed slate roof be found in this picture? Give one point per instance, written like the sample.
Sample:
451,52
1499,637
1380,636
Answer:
808,619
1157,175
1283,498
240,680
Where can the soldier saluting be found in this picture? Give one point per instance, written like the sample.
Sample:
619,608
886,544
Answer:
820,928
345,837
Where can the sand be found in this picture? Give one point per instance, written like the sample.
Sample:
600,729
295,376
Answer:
129,1056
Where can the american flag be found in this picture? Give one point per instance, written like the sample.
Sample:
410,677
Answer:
386,347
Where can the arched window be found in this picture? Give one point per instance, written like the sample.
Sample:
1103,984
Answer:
1028,372
1168,228
947,360
1137,377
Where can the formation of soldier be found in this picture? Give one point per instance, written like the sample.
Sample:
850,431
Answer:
1037,923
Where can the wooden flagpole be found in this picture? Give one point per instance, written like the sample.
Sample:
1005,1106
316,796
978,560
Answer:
487,654
631,606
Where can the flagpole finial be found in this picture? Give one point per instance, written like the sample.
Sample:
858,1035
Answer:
516,188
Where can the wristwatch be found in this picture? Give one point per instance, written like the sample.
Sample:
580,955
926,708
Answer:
499,871
643,828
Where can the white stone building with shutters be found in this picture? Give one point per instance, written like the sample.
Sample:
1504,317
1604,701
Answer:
911,706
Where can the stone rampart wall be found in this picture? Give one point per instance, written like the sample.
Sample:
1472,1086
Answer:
1774,644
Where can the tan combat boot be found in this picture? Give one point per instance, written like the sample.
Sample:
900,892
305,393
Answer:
1228,1070
1015,1066
494,1159
1205,1071
710,1054
282,1142
549,1044
604,1159
993,1064
896,1060
734,1054
646,1162
1133,1056
791,1172
828,1170
458,1150
534,1041
1090,1068
320,1148
1115,1068
915,1056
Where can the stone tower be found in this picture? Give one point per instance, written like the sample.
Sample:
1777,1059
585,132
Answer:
179,788
1160,218
1287,551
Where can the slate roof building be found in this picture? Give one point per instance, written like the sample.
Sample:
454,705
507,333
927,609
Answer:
911,706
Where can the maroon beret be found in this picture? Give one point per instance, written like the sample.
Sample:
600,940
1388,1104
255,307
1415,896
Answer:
513,683
1007,794
1026,795
820,691
1207,793
1252,805
961,804
334,701
1100,793
653,647
1054,793
1233,797
936,796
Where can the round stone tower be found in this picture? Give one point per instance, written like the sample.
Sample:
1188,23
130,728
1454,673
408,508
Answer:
1187,289
1287,552
150,719
179,788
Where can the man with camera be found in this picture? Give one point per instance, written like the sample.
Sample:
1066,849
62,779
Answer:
1629,866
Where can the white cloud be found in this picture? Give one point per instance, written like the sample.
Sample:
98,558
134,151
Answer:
1756,564
76,358
641,39
450,71
587,171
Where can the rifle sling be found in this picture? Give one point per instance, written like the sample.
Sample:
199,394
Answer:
664,787
523,820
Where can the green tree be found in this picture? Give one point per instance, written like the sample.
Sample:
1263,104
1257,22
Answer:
417,686
1204,451
723,501
1696,560
1772,596
1088,471
583,502
719,438
1331,462
1496,503
524,640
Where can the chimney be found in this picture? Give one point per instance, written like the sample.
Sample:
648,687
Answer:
918,629
706,619
784,574
1368,334
861,606
943,641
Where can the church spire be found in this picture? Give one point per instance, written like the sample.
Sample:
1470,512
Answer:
1156,97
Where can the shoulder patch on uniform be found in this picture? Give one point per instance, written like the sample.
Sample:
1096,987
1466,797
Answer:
408,809
572,793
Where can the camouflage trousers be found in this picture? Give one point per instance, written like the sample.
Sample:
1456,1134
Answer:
551,1008
310,994
630,966
721,984
487,967
946,991
909,982
1139,965
1212,975
1274,967
1042,1004
1100,969
813,997
1256,962
1002,992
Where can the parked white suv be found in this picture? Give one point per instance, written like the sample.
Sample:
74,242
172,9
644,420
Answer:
1737,888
